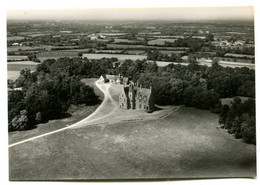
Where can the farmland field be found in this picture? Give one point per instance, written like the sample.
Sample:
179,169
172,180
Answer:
118,56
124,41
169,36
42,47
136,52
13,75
18,66
113,34
16,48
14,68
125,46
108,51
15,38
17,57
160,41
170,52
239,55
54,57
59,53
37,34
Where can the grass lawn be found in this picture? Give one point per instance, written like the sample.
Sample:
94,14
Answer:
186,144
74,114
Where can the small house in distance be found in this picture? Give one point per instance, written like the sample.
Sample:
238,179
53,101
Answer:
116,79
135,97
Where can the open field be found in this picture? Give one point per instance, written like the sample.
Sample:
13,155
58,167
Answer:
169,36
170,52
37,48
186,144
16,48
118,56
37,34
14,68
13,75
239,55
108,51
18,66
68,53
124,41
136,52
54,57
15,38
125,46
113,34
14,58
160,41
74,114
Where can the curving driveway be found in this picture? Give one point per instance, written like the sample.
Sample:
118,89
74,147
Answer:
107,107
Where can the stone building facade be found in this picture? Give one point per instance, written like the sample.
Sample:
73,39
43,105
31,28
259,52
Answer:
135,97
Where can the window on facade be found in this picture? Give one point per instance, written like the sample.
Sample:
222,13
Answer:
140,106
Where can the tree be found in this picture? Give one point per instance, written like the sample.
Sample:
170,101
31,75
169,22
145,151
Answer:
20,122
192,59
248,131
209,37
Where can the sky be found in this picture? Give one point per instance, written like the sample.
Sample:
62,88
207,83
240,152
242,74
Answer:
180,13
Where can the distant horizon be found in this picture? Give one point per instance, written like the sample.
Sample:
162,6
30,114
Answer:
174,14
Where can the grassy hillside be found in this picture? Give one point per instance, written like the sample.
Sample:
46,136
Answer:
185,144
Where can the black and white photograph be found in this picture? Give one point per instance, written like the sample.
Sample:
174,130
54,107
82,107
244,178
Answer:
116,94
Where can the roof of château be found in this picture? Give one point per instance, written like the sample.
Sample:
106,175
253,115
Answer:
112,77
125,79
104,76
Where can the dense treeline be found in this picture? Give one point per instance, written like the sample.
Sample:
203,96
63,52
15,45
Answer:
47,92
239,119
224,82
202,87
195,44
157,56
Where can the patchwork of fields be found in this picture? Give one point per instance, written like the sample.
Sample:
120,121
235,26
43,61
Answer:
160,41
118,56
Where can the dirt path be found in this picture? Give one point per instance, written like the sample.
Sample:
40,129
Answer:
104,110
107,108
109,113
